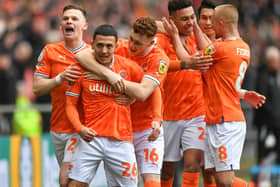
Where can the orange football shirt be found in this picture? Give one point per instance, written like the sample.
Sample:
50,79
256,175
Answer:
54,59
224,78
101,112
183,90
155,65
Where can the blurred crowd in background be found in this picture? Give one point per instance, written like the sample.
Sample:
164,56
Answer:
27,25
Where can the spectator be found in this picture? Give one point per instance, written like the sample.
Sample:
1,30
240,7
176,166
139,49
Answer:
267,118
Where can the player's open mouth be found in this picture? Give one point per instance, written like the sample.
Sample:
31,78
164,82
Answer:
69,30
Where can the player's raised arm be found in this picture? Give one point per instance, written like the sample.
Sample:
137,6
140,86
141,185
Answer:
202,40
188,62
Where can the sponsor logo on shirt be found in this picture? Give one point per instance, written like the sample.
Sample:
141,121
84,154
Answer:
102,88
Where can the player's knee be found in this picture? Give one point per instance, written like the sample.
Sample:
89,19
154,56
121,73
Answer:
63,181
168,169
73,183
151,177
191,167
208,176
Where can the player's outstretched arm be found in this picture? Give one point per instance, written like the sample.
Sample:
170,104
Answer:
43,85
140,91
253,98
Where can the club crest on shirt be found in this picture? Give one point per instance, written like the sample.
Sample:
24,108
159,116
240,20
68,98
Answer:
123,74
210,50
162,66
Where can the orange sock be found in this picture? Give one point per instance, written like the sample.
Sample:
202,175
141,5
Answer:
167,183
152,184
209,185
190,179
238,182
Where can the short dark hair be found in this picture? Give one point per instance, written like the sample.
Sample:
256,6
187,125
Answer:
206,4
76,7
105,30
174,5
145,26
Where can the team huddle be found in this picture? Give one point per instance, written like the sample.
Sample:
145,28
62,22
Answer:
171,90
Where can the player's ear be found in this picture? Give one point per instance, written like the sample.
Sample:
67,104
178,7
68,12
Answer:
117,45
60,27
85,27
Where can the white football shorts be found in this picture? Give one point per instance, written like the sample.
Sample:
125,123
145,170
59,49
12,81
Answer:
182,135
119,161
59,141
224,145
149,154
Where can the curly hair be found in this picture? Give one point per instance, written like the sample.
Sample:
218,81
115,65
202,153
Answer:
145,26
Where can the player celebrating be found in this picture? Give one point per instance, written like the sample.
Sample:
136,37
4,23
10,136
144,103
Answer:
226,125
53,70
146,116
184,109
106,133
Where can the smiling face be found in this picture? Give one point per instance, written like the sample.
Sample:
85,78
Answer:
205,21
184,20
104,48
73,24
139,44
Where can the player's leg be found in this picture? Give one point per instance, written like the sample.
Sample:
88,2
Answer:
74,183
172,150
69,151
86,160
192,159
193,144
208,177
167,175
208,174
120,163
149,155
59,141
